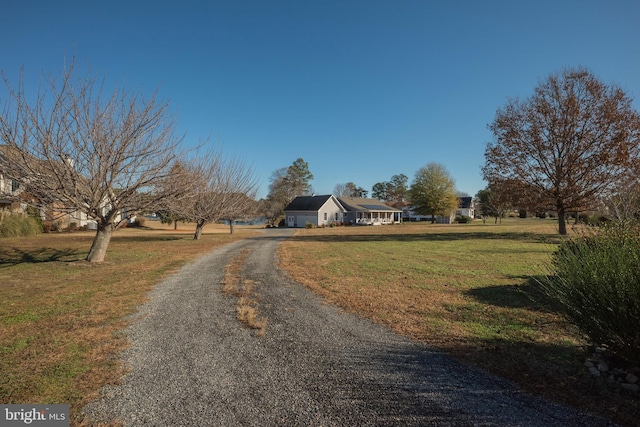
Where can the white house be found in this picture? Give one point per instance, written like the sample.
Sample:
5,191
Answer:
369,211
325,210
466,207
315,210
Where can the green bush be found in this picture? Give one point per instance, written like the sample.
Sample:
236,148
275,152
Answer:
463,219
309,225
597,282
18,225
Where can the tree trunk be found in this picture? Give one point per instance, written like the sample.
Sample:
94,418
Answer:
199,227
231,222
562,221
100,243
175,225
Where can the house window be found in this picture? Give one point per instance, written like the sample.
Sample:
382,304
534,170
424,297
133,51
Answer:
336,216
14,185
325,216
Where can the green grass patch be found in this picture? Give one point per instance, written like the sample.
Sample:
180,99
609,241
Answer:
470,289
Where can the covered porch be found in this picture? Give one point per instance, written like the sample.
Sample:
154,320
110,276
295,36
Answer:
375,218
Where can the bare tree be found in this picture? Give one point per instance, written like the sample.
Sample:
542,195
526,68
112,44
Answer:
220,189
495,201
624,203
569,141
349,190
244,207
76,146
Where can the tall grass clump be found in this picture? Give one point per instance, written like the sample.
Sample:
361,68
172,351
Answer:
18,225
596,279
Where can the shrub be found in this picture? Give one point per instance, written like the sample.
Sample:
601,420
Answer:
309,225
73,226
18,225
139,221
463,219
34,213
597,282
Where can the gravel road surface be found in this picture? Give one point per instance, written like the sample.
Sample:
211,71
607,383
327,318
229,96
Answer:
193,364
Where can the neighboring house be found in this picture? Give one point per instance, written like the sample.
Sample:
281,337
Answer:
466,207
9,191
314,210
409,215
52,214
369,212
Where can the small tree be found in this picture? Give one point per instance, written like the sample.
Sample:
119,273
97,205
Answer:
242,207
77,147
177,178
624,202
570,141
496,199
220,189
433,191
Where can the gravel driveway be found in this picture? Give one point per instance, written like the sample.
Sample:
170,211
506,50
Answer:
193,364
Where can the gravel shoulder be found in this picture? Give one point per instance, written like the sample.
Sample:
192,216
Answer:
191,363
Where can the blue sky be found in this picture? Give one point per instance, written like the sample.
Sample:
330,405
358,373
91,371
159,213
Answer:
362,90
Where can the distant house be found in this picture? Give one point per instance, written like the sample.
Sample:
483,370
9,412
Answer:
369,211
325,210
466,207
409,215
314,210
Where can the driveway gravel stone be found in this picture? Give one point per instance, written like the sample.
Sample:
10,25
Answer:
191,363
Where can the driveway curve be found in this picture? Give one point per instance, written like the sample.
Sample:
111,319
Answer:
192,363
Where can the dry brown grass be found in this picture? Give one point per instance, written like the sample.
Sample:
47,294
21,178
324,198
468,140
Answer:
244,290
468,289
61,318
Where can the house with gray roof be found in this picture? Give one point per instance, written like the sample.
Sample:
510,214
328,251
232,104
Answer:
327,210
314,210
362,211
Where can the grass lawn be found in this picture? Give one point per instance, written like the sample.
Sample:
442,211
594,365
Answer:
466,288
61,317
469,289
